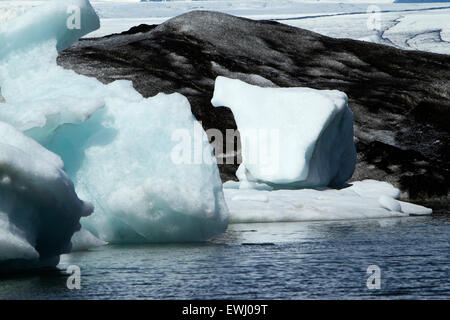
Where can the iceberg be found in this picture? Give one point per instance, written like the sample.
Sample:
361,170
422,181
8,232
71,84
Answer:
307,135
121,160
117,146
365,199
291,137
28,57
136,159
83,240
64,21
39,209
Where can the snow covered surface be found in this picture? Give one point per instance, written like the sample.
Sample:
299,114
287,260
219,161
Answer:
39,209
421,26
410,26
291,137
362,200
115,144
422,31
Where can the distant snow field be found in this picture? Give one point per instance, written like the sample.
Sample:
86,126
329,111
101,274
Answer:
415,26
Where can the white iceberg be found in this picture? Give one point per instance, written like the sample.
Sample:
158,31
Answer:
291,137
39,95
308,136
362,200
121,160
116,145
84,240
39,209
64,21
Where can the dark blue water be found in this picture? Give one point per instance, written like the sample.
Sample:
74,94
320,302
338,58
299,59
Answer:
313,260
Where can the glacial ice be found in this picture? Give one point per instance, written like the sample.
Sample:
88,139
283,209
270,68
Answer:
84,240
64,21
116,145
41,96
39,209
121,160
310,133
118,149
37,92
362,200
291,137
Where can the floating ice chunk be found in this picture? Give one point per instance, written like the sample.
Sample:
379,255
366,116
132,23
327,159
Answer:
39,209
389,203
414,209
245,205
291,137
62,20
37,105
84,240
13,246
38,95
121,159
115,144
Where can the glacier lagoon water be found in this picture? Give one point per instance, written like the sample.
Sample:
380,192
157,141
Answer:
307,260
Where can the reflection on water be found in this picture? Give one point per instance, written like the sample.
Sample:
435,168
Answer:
265,261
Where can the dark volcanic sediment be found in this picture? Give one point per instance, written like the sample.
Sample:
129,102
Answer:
400,99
